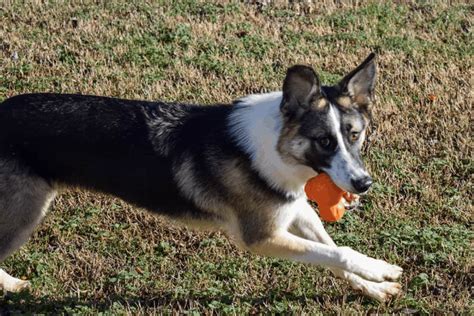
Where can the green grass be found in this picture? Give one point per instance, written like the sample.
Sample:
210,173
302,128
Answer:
95,254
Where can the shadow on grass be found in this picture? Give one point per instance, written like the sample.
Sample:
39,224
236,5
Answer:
13,304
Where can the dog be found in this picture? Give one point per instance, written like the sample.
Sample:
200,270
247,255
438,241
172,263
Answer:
239,168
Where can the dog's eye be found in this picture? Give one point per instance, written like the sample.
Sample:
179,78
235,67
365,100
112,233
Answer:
324,142
354,136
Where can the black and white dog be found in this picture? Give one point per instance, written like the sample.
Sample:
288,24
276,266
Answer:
238,168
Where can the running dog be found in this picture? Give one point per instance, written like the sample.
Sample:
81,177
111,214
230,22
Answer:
238,168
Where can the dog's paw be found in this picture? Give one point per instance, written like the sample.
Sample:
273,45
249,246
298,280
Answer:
14,285
381,291
369,268
17,287
379,270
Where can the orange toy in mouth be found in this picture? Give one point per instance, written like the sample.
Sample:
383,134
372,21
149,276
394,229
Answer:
322,190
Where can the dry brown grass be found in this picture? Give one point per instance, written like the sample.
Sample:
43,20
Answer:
94,253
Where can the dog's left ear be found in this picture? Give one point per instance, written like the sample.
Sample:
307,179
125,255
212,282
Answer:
359,84
300,89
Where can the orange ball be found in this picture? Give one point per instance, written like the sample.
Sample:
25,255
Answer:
322,190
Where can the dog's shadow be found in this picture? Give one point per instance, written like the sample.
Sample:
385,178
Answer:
26,303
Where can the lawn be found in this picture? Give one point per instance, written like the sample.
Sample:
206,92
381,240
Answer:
94,253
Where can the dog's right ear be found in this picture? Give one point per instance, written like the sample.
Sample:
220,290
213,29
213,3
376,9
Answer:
300,89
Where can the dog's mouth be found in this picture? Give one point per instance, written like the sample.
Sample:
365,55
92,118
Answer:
349,183
359,186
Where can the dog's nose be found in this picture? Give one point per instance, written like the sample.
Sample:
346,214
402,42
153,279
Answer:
362,184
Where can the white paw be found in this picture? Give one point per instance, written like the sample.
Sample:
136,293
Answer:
369,268
15,287
11,284
381,291
379,270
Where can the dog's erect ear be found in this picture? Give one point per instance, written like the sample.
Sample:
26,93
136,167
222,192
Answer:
359,84
300,89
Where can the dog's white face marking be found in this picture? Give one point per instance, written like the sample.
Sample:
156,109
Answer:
256,124
343,167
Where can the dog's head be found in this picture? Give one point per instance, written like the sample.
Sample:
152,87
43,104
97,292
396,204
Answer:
324,127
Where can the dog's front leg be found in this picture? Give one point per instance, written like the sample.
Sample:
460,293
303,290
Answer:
283,244
307,224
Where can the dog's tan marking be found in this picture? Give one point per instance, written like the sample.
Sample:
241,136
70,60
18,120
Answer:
279,246
320,103
290,146
361,100
344,101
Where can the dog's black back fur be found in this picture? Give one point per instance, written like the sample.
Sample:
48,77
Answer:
73,139
121,147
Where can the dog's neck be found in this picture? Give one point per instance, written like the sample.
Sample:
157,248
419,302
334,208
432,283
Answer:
256,124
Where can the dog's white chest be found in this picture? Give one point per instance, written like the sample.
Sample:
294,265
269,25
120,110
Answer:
285,215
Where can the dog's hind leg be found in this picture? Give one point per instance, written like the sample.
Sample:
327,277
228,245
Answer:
24,200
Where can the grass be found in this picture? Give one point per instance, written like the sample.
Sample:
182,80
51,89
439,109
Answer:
97,254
